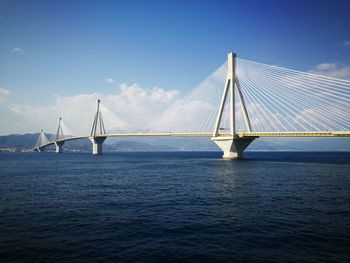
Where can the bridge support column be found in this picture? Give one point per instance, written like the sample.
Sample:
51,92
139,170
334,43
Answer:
59,146
38,149
97,144
232,147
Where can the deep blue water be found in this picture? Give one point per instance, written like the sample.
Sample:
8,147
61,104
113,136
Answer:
175,206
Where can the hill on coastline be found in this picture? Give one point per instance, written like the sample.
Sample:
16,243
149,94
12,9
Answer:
20,142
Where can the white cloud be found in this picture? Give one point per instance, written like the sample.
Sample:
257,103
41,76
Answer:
195,112
317,119
332,70
109,80
346,43
17,50
3,94
326,66
184,117
132,106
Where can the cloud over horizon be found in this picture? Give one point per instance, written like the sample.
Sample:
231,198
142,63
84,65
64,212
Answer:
332,70
132,104
132,108
346,43
3,94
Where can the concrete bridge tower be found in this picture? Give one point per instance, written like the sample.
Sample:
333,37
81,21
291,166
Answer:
96,138
59,136
232,145
41,142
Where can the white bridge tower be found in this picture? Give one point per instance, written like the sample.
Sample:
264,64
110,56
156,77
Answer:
59,137
41,142
231,144
96,138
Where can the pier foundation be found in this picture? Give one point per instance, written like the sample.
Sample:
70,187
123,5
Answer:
39,149
232,147
97,144
59,146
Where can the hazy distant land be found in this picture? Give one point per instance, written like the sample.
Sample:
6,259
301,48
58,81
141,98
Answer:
24,142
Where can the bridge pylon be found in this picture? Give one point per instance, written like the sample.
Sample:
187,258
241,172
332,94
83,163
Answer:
97,138
42,140
231,144
59,137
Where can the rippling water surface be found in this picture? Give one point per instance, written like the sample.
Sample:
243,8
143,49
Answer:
270,207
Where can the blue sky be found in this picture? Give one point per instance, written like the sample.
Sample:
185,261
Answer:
69,48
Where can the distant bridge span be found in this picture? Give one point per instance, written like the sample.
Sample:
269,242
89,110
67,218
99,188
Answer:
208,135
301,105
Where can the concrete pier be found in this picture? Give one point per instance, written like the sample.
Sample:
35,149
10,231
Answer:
59,146
38,149
232,147
97,144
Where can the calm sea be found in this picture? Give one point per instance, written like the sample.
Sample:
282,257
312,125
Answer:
174,206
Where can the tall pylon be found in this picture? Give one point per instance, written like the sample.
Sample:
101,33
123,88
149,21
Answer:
59,134
97,139
231,85
231,144
98,122
42,140
59,137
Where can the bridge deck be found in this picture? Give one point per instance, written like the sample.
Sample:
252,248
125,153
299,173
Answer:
240,134
296,134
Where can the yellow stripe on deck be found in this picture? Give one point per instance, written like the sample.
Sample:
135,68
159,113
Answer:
295,134
240,134
157,134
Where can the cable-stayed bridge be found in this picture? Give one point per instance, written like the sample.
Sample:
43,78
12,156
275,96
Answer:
241,101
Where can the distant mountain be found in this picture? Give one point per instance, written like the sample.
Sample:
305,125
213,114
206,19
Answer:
19,141
171,143
137,146
301,144
28,141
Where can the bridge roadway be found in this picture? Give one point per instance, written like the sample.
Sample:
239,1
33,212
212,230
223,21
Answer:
239,134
